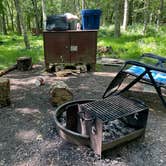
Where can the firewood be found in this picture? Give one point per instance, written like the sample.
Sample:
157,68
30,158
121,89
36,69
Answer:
59,68
4,92
60,93
24,63
63,73
81,68
67,72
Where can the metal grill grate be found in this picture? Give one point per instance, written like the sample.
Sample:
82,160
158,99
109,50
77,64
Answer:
112,108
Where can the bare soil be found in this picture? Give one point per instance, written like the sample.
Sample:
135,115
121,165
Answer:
27,128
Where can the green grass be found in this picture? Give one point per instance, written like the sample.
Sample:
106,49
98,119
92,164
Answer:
12,47
130,45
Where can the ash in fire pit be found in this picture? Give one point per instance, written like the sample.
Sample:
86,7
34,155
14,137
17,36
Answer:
115,129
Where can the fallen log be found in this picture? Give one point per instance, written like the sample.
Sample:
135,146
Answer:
60,93
5,71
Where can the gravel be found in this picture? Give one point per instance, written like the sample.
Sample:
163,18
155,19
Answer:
28,135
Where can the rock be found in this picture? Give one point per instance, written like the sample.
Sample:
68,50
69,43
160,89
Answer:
60,93
39,81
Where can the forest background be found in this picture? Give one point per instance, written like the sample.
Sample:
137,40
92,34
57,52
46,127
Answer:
128,27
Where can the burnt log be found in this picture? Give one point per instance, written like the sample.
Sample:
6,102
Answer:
24,63
4,92
60,93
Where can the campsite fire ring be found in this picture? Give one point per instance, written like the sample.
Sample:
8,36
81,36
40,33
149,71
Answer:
87,122
63,131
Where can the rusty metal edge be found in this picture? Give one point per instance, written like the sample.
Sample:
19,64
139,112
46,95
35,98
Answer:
68,135
79,139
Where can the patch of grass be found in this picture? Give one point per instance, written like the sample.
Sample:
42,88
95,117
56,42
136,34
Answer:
131,44
12,47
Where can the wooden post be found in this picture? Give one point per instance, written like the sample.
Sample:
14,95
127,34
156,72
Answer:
4,92
60,93
24,63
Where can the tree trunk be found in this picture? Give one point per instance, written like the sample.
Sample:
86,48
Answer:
83,4
34,3
44,14
10,10
130,13
126,14
146,15
117,17
29,23
150,18
18,25
160,13
1,29
23,27
7,20
4,23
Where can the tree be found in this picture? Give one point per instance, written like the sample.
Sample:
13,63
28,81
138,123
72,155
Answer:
83,4
117,18
34,3
160,13
4,23
146,15
2,14
130,12
23,27
44,14
34,12
126,14
19,31
11,12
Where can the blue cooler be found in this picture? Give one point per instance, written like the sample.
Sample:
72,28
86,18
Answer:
90,19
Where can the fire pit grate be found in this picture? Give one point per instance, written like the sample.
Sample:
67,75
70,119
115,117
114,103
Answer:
102,124
112,108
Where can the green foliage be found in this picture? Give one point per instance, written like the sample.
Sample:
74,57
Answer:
132,44
12,47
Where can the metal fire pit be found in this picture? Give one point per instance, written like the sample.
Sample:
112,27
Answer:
127,117
86,122
65,131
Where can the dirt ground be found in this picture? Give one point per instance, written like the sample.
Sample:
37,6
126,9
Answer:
27,128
